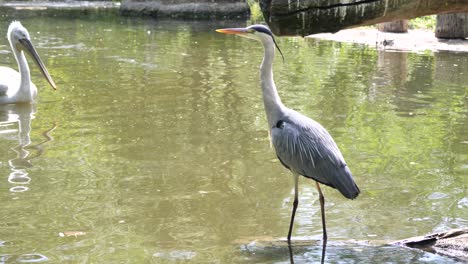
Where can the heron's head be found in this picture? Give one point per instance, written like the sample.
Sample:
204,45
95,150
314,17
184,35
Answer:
20,40
258,32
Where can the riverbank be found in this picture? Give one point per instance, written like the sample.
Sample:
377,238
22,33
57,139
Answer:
70,9
419,40
201,10
65,5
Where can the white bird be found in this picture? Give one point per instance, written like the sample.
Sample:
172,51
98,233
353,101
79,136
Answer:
16,87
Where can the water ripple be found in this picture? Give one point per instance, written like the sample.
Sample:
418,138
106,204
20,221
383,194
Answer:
437,196
24,258
463,202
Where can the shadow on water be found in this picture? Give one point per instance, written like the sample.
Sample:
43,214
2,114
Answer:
313,251
16,120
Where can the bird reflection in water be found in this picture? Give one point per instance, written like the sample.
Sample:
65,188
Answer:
15,119
278,250
291,252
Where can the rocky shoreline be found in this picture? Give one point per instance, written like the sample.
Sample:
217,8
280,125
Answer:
201,10
62,5
58,8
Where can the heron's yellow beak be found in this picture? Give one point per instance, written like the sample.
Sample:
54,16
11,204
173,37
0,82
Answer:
29,48
237,31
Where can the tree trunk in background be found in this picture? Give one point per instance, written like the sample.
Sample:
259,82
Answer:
392,68
399,26
305,17
454,25
187,9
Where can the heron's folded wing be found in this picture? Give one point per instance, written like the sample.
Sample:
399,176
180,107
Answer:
305,147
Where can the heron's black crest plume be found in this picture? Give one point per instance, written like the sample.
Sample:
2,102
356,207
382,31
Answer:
277,47
266,30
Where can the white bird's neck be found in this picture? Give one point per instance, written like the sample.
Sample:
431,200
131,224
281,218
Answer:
25,90
271,99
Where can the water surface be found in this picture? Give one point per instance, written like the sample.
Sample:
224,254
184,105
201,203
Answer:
155,147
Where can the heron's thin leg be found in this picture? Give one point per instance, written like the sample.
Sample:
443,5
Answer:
295,203
324,248
291,254
322,209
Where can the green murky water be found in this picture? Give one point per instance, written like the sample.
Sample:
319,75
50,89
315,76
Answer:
155,147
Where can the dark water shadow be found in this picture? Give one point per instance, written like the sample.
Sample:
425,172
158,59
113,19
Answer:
17,119
313,251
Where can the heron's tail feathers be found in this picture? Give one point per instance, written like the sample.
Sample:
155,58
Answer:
346,185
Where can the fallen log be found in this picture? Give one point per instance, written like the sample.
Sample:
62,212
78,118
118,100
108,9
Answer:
453,243
305,17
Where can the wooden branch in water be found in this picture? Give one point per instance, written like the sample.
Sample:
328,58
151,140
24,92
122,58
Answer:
453,243
305,17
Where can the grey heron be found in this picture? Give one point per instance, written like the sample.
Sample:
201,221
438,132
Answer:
302,145
16,87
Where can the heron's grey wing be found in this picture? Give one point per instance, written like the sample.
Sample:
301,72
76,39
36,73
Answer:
305,147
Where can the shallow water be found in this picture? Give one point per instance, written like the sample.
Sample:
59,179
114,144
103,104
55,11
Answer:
155,147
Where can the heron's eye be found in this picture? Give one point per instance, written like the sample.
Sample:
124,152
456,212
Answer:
280,124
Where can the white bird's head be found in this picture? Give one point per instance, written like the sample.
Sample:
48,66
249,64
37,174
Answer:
16,32
258,32
20,40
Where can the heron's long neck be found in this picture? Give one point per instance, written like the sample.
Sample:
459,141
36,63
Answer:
23,68
271,99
